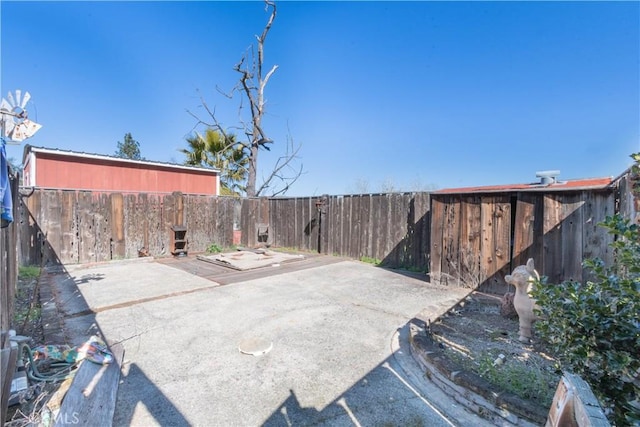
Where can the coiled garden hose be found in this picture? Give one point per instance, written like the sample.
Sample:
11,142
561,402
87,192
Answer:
56,371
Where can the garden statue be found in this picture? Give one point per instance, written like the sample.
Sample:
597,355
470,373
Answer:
523,278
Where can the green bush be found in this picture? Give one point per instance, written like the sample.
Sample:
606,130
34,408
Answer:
28,272
594,328
213,249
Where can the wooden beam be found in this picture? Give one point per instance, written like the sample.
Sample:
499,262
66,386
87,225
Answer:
91,399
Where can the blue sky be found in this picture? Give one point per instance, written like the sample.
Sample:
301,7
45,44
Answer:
410,95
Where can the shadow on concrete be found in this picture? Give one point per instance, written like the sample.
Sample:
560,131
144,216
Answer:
75,325
365,404
147,394
89,278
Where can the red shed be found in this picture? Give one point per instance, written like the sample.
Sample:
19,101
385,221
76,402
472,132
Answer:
69,170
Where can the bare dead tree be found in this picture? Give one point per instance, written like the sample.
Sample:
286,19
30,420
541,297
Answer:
251,86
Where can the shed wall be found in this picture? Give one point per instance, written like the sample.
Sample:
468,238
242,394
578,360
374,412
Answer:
65,172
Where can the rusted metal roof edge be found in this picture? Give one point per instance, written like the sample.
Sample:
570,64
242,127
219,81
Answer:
69,153
600,184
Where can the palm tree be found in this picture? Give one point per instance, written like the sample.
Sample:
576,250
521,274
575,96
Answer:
222,152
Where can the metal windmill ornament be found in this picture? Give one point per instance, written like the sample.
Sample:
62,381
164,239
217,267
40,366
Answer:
16,126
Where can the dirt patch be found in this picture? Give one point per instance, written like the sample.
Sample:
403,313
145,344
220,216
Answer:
477,338
27,321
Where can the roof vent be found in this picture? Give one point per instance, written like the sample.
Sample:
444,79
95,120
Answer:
548,177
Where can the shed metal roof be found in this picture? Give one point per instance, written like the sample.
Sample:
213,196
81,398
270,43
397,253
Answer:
55,151
568,185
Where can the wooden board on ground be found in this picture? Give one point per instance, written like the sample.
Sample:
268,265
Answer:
248,260
91,399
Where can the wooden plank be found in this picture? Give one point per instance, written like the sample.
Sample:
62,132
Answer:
356,216
91,399
487,238
86,232
328,224
179,208
470,240
283,221
596,240
167,221
627,202
314,241
68,228
552,238
362,216
337,207
117,226
37,235
378,226
571,235
306,225
244,223
102,221
375,227
399,227
274,225
200,223
339,247
9,259
8,357
346,226
5,287
246,226
289,218
52,226
422,231
412,238
195,222
387,218
527,233
369,217
502,240
221,209
156,232
132,233
451,242
437,235
230,218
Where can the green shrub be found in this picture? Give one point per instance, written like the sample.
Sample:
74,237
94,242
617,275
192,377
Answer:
369,260
28,272
213,249
594,328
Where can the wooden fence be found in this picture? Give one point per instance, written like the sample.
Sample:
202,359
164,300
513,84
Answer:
79,227
479,238
468,239
392,228
8,282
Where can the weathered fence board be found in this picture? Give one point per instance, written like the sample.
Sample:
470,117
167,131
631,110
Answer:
551,263
527,239
8,281
595,238
451,242
437,238
571,232
468,239
559,230
502,250
71,227
117,226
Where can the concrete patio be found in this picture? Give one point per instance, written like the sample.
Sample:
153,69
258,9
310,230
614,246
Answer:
334,333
